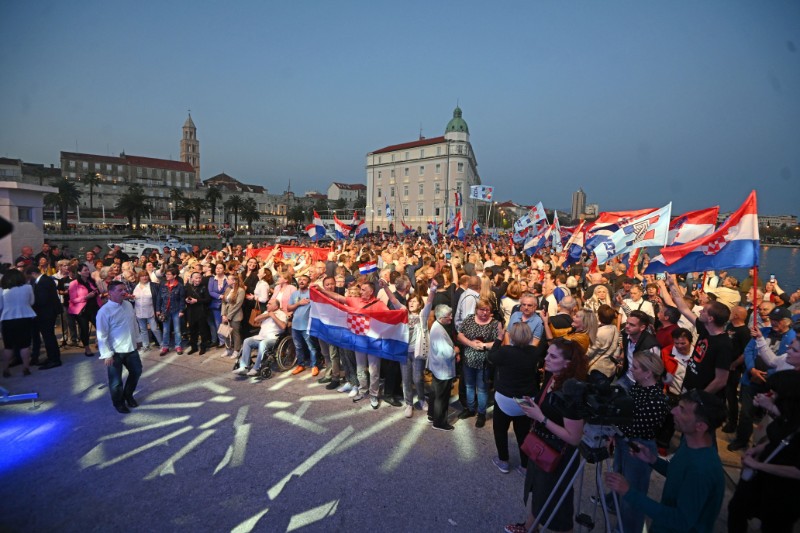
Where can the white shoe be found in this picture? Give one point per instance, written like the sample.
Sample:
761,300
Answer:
347,387
409,411
253,372
240,371
235,355
423,405
353,392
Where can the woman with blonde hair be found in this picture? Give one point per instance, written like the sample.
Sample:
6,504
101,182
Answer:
584,328
511,298
232,314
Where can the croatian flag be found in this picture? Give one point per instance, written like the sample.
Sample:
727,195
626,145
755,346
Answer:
734,245
451,225
459,198
432,233
316,230
354,221
650,229
523,222
537,242
459,227
388,211
376,331
367,268
520,236
537,213
476,229
574,245
606,224
342,230
361,229
407,230
685,228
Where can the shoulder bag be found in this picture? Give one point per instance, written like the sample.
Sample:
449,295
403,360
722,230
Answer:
544,456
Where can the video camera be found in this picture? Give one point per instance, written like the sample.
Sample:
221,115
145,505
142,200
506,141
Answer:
595,400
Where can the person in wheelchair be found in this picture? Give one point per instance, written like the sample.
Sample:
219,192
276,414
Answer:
273,323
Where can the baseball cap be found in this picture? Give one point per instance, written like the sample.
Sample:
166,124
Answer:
779,313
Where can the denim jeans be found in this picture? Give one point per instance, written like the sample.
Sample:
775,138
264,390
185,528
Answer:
373,382
637,473
133,363
214,320
304,348
744,429
172,322
349,366
247,349
411,370
144,337
473,377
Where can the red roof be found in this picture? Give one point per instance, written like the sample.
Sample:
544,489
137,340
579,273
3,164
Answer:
350,186
133,160
414,144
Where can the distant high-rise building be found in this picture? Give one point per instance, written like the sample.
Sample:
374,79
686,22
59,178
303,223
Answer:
578,204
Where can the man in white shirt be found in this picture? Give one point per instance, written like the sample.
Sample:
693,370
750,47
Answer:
117,332
274,322
636,302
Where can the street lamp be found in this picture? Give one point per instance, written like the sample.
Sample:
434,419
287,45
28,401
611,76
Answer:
170,213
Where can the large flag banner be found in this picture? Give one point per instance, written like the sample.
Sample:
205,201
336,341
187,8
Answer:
459,198
734,245
388,211
476,228
316,230
687,227
537,213
376,332
650,229
606,224
432,233
367,268
293,253
459,227
538,241
574,245
361,229
481,192
407,230
520,236
525,221
341,229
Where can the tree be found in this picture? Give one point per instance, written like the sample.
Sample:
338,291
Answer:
250,212
213,195
339,204
176,196
321,205
360,203
132,205
234,203
68,196
296,214
92,179
195,205
185,212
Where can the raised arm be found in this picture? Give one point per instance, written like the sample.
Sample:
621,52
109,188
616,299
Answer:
677,299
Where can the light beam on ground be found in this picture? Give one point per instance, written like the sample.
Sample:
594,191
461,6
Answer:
168,466
306,518
148,427
216,420
372,430
212,386
404,446
163,440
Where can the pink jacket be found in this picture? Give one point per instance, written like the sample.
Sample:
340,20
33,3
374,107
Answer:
77,297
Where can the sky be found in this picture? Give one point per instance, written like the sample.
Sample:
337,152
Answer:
639,103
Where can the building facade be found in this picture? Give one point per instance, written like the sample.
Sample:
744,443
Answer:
578,204
190,146
349,192
417,180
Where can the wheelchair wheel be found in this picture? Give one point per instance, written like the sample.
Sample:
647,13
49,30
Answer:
266,372
285,355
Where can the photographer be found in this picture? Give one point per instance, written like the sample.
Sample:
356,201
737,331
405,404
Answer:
561,430
695,482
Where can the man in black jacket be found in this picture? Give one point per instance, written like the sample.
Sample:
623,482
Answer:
638,338
47,306
197,301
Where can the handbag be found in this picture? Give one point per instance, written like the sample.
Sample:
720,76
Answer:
224,330
254,314
544,456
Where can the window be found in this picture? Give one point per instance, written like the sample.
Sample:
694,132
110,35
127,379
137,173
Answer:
392,158
421,154
459,149
408,156
405,190
461,167
85,165
379,212
405,210
379,174
437,187
422,170
380,193
438,212
421,189
420,210
379,160
459,186
405,171
438,168
25,214
392,173
391,192
438,150
138,172
119,169
72,164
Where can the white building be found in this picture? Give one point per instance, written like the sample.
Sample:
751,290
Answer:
349,192
418,179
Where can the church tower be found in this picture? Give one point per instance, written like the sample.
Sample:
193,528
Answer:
190,147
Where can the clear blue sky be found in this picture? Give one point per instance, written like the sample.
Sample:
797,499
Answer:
637,102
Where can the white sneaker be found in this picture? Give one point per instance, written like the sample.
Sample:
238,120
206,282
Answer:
235,355
423,405
409,411
347,387
353,392
253,372
240,371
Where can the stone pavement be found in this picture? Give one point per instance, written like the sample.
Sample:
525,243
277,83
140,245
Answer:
210,451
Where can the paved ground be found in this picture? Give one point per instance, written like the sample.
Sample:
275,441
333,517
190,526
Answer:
209,451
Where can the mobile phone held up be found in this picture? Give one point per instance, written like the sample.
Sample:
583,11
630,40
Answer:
634,447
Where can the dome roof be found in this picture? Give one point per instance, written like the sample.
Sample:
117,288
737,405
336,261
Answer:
457,123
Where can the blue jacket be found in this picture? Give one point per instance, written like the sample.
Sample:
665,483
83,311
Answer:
175,301
751,353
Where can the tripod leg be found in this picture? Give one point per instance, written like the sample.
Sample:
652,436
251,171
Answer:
555,489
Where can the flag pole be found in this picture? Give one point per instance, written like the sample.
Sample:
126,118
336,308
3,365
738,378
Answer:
756,303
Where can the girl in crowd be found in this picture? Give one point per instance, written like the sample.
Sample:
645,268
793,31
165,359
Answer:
145,304
17,316
232,314
517,376
477,334
84,302
562,431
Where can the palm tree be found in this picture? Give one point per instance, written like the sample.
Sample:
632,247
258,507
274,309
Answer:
250,212
195,205
92,179
176,196
67,196
296,213
213,195
184,211
132,205
234,203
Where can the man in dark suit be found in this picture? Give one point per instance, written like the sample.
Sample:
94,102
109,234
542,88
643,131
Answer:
47,306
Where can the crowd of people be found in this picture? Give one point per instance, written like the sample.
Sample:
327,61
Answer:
695,352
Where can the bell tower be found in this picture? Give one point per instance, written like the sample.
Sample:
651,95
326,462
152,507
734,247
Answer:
190,147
